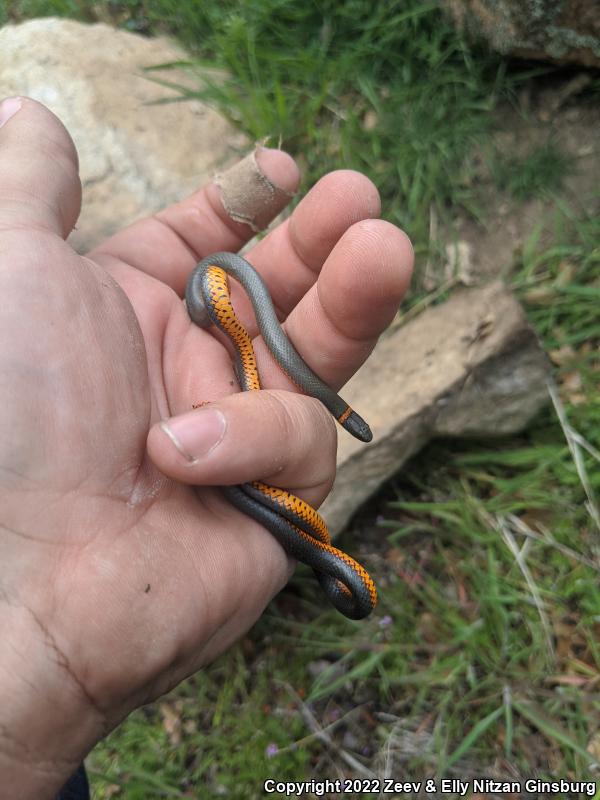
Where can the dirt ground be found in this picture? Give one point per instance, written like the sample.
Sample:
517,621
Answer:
558,110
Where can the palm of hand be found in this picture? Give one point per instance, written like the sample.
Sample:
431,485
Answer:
164,562
126,580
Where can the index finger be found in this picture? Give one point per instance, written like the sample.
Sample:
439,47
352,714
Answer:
223,215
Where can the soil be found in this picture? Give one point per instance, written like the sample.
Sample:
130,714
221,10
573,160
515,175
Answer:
563,111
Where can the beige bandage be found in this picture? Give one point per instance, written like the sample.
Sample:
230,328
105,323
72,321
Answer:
249,196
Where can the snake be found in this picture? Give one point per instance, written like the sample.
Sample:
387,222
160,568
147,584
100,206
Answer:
296,525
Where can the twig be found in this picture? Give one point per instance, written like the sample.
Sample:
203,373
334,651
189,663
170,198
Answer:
546,537
502,526
575,442
322,734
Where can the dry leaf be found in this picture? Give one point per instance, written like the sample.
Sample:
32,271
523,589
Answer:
395,557
370,120
171,719
566,273
593,747
572,381
540,296
563,355
428,627
568,680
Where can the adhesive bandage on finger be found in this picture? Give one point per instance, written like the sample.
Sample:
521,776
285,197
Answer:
249,196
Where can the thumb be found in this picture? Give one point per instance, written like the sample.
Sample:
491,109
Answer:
39,180
271,435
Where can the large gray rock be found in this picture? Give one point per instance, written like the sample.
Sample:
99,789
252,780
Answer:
561,31
135,158
469,367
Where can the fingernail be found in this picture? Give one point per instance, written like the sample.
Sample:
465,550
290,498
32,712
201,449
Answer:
9,107
196,434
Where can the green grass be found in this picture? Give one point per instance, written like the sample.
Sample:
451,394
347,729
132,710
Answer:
539,172
193,739
483,657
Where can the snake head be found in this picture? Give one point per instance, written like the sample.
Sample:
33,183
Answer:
356,425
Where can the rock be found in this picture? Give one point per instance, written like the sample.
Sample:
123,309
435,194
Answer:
134,157
565,32
469,367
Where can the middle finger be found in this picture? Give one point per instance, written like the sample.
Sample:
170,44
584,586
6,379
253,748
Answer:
290,257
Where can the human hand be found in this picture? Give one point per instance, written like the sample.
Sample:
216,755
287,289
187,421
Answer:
117,578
